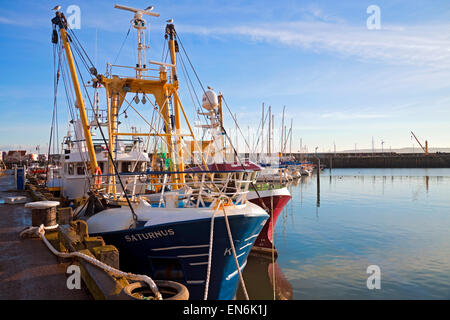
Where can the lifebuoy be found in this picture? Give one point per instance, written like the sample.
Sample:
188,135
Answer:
98,178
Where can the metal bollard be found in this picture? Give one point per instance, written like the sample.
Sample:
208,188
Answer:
43,212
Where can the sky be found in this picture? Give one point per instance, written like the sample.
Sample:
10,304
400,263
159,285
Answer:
341,82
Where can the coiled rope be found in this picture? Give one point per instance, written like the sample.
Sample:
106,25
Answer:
40,231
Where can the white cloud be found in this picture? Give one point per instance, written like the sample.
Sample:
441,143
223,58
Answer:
353,116
416,45
4,20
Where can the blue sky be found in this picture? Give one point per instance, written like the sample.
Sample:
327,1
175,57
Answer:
339,81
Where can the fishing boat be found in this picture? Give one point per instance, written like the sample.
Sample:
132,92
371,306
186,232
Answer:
130,156
276,173
274,197
173,224
306,170
269,191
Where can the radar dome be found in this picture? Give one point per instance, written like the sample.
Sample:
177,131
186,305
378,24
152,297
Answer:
210,100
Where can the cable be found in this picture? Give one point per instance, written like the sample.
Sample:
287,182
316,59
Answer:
123,43
135,217
222,128
98,124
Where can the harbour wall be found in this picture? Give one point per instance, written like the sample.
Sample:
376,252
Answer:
378,160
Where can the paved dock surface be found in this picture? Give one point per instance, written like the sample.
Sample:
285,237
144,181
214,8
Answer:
28,270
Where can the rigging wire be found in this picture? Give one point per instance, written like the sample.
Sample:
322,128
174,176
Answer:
123,43
258,134
135,218
222,127
71,103
204,91
80,46
190,83
192,91
98,124
55,90
163,50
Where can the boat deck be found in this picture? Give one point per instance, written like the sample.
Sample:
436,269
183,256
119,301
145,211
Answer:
28,270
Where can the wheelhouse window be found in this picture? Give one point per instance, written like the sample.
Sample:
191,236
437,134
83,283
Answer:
102,166
126,166
70,169
80,170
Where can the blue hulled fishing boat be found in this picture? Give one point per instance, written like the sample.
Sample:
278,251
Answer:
194,227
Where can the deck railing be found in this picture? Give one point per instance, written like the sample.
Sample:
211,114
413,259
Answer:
200,189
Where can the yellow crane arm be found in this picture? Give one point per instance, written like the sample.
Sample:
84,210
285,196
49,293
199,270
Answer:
80,101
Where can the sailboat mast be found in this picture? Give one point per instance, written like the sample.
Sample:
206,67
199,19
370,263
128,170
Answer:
262,133
268,131
282,133
290,137
237,136
272,136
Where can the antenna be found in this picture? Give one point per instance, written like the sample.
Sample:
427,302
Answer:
139,24
138,11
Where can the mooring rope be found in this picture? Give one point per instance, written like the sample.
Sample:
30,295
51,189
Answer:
211,239
273,245
233,249
136,277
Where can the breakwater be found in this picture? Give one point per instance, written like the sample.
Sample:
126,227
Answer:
378,160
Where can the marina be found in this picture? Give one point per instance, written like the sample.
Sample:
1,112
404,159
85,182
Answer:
157,184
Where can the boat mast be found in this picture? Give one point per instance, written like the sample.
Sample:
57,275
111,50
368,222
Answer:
173,48
290,137
164,88
268,131
140,25
282,134
262,134
61,22
272,139
220,97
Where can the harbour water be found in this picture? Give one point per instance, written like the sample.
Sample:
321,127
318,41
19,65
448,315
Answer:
396,219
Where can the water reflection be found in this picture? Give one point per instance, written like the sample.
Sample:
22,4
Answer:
264,280
397,219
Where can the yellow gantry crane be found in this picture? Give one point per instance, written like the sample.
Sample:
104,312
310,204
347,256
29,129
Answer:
163,87
425,149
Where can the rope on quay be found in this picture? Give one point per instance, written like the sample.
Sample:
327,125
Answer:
40,231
